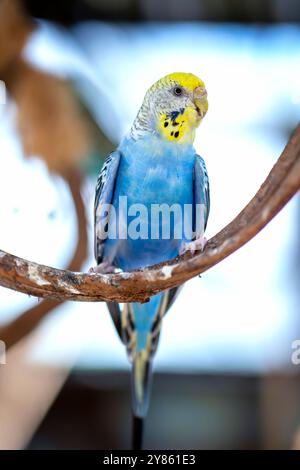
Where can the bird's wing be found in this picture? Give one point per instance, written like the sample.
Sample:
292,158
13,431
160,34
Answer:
201,189
172,296
104,195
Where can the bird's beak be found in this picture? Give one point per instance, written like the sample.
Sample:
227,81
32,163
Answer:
200,101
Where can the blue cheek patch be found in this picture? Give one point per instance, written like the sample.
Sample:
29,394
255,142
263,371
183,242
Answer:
174,114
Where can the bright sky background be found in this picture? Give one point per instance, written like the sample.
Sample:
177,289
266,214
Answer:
241,315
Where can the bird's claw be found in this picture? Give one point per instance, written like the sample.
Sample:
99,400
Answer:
103,268
196,245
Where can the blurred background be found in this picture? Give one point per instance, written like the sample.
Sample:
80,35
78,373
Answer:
73,75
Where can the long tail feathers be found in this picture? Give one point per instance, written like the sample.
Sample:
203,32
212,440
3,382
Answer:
141,383
138,326
146,321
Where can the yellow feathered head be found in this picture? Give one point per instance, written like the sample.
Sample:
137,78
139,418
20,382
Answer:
173,107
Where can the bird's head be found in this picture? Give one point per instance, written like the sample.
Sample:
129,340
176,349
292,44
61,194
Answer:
173,107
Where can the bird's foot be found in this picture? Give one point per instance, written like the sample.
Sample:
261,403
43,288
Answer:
103,268
196,245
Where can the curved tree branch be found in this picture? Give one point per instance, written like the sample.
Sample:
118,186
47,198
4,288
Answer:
43,281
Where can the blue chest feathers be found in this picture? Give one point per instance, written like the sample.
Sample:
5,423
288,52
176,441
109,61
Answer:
153,187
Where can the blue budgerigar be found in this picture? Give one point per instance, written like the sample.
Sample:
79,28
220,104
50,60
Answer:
155,170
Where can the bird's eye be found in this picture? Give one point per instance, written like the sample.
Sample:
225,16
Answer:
177,91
